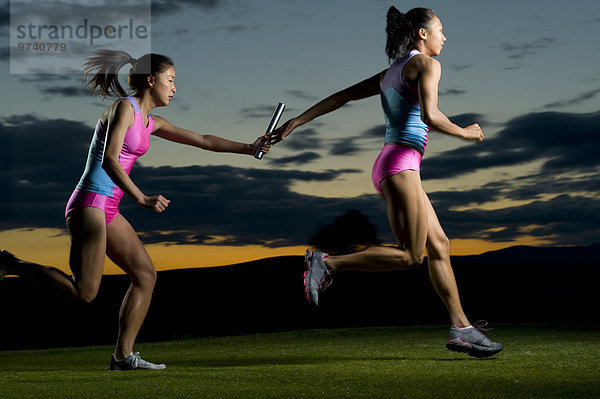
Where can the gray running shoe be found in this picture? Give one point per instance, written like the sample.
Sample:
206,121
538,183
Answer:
5,257
132,362
317,276
472,342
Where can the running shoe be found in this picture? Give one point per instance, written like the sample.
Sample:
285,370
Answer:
317,276
132,362
5,257
472,341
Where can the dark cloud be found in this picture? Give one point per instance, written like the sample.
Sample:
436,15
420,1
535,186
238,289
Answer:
376,132
451,199
302,15
563,220
246,206
64,91
519,51
452,92
239,28
539,185
41,161
169,7
303,158
46,78
303,139
258,111
563,141
301,94
345,146
574,101
4,26
310,139
57,12
467,119
229,29
460,68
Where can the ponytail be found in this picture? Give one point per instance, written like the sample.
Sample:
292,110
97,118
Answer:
401,30
104,65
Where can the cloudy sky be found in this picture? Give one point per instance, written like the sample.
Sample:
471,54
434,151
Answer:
527,73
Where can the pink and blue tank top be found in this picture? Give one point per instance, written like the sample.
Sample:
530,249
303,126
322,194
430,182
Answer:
136,143
402,109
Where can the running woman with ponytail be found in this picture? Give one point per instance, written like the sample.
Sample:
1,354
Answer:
409,97
122,134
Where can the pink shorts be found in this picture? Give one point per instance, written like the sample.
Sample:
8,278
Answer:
394,158
83,199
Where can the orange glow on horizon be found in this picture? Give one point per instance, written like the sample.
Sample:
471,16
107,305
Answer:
51,247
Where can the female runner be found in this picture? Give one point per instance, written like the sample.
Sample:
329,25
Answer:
92,215
409,97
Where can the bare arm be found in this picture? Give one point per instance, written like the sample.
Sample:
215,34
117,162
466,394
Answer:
367,88
120,119
168,131
431,115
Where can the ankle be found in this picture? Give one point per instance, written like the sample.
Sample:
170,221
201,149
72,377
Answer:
330,263
461,322
119,355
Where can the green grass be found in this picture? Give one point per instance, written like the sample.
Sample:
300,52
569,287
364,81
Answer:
399,362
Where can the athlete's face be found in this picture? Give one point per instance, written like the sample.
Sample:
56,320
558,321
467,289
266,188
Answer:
163,88
434,37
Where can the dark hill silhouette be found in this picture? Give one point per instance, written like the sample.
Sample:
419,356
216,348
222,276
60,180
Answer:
518,284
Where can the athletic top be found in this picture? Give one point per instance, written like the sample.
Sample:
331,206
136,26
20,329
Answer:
136,143
401,108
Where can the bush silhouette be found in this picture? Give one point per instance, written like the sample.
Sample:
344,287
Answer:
350,232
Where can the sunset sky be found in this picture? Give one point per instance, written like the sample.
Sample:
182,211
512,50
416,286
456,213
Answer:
527,71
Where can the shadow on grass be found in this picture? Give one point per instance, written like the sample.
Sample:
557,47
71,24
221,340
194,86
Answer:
308,360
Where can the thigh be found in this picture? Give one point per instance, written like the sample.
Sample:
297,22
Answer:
406,209
126,250
87,228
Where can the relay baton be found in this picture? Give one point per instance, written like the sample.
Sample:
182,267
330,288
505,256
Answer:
274,119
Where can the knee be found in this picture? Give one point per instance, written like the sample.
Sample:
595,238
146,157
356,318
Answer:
415,259
86,295
145,276
440,248
412,257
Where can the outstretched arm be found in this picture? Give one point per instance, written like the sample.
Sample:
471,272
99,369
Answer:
367,88
168,131
429,79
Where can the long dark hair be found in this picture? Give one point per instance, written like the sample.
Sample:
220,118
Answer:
104,66
401,30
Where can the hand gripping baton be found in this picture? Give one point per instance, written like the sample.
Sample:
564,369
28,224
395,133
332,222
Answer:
274,119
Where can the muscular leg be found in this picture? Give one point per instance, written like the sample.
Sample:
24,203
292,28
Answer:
126,250
440,269
87,227
407,214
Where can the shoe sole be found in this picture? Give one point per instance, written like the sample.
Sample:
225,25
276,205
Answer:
458,345
307,263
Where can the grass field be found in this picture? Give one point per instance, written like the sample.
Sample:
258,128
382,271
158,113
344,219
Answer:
396,362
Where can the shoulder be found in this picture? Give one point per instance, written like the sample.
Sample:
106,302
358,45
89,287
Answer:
425,66
120,111
425,62
159,122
